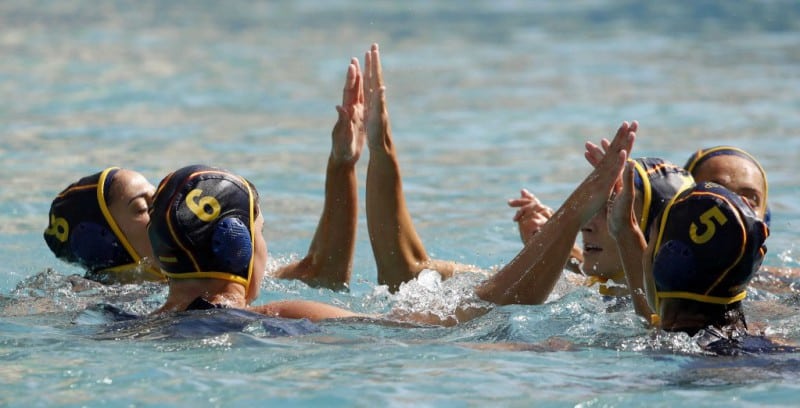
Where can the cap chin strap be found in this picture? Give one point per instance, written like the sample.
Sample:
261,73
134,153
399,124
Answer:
608,290
129,273
717,300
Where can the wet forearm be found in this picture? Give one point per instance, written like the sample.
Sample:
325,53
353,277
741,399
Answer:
332,248
531,275
631,245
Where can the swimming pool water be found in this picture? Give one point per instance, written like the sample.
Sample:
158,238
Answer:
485,98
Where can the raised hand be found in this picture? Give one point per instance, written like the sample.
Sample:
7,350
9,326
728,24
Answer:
620,209
348,134
531,214
624,228
375,112
594,153
605,179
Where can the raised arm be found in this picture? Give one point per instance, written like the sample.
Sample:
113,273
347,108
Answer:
531,216
330,255
399,252
531,275
624,228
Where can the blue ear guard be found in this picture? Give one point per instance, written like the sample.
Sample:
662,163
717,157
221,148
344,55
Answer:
231,245
96,247
674,262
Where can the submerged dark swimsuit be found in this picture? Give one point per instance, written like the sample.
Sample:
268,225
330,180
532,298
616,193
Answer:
739,343
201,319
202,304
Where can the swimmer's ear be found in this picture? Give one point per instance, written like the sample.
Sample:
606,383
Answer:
96,247
232,246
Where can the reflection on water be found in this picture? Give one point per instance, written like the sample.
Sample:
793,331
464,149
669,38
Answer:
486,98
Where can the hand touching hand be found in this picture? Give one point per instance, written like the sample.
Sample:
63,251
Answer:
605,178
375,112
348,133
594,153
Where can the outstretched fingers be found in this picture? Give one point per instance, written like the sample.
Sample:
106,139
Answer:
375,112
594,153
623,140
374,69
353,92
373,82
348,133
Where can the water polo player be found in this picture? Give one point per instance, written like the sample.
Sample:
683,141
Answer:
656,181
99,223
703,251
740,172
529,278
205,228
736,170
708,245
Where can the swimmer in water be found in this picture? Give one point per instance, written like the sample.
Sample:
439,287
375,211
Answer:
738,171
329,260
734,169
206,232
206,229
530,277
656,182
703,251
99,222
399,252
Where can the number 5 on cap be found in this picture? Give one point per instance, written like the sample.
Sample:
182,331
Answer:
707,219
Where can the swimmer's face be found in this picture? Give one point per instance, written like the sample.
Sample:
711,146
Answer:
259,259
737,174
130,197
600,254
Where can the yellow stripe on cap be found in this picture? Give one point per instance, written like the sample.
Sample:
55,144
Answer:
210,274
702,153
175,238
101,200
206,275
252,233
153,274
718,300
743,240
648,194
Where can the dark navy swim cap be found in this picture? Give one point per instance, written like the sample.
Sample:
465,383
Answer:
700,156
201,224
710,244
81,229
658,181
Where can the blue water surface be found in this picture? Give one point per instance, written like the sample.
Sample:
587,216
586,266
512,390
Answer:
486,97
